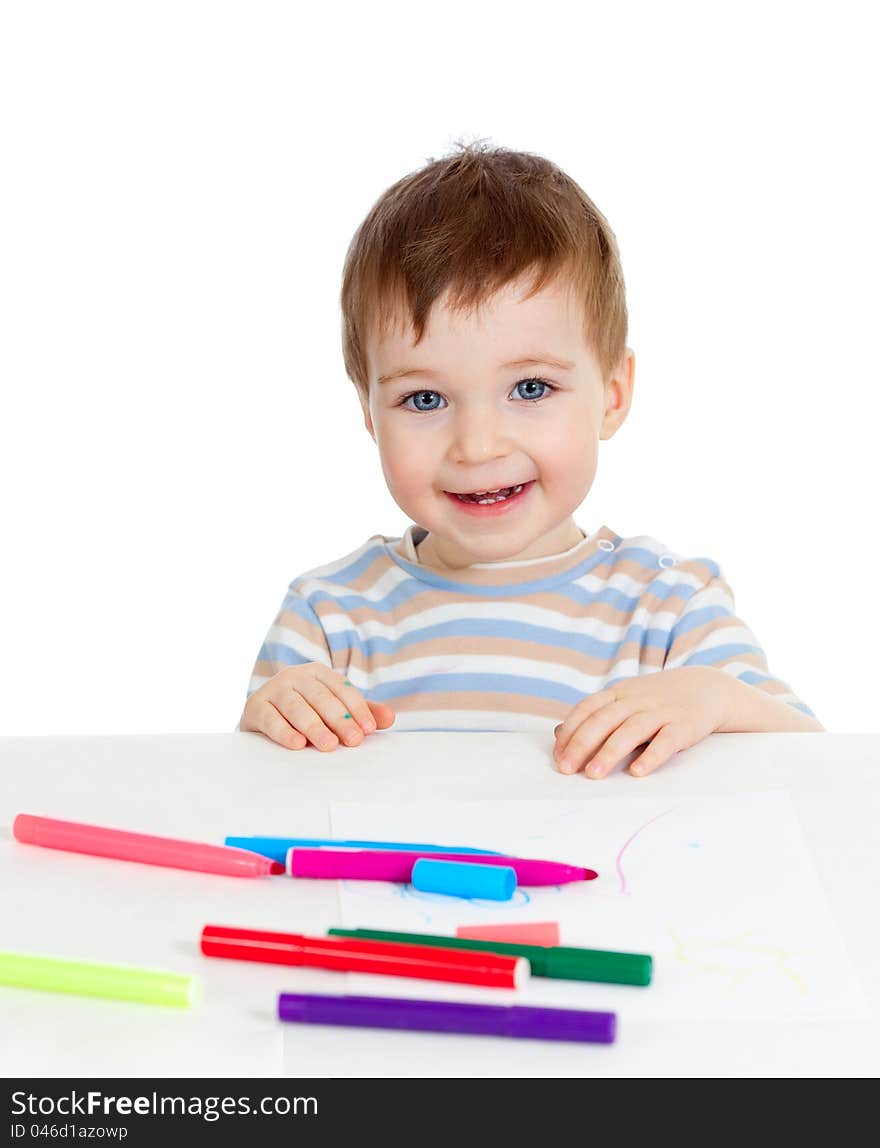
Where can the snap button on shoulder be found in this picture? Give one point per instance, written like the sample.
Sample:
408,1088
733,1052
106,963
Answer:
605,544
666,560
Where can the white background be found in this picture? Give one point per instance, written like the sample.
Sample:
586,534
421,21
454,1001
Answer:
178,438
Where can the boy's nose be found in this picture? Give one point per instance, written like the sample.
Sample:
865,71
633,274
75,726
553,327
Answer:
480,437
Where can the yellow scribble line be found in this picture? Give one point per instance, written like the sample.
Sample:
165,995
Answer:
738,943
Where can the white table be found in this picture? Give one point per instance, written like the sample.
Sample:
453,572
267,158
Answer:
205,786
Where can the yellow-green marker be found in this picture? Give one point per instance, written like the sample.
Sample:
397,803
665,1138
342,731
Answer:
49,974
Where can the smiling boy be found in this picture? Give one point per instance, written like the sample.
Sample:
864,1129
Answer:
484,329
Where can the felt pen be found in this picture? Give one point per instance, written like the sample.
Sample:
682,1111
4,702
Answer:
50,974
277,847
357,955
555,961
382,865
523,1021
121,845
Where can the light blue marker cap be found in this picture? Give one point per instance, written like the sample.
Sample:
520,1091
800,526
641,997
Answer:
464,879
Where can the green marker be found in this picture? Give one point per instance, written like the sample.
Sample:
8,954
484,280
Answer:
52,975
556,961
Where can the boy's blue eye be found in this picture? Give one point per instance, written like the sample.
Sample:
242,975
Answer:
527,393
535,383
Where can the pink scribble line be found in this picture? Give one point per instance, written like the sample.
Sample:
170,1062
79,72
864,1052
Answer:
629,840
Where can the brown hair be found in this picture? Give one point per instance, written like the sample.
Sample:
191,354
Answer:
470,223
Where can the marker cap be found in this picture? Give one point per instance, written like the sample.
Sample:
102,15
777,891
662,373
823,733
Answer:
541,933
463,879
118,982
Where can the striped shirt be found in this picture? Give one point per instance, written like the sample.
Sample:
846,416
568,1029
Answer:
510,646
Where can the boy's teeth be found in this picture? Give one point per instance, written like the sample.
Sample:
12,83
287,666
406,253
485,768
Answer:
485,497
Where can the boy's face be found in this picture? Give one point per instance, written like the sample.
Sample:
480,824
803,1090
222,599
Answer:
478,413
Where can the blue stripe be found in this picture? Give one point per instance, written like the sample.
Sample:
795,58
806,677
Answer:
459,729
650,560
285,655
803,708
477,684
722,654
753,678
640,554
385,608
296,603
612,596
471,628
565,585
699,618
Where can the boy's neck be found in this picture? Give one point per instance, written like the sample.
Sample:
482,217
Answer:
427,553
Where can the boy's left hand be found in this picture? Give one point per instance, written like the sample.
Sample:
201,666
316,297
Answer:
670,710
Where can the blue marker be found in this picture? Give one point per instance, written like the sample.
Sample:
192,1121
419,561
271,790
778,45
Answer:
276,847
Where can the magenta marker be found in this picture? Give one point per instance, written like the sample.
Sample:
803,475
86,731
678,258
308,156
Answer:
380,865
525,1022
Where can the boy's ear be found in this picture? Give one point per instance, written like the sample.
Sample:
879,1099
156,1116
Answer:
618,394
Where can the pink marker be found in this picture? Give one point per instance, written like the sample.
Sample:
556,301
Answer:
543,933
397,865
125,846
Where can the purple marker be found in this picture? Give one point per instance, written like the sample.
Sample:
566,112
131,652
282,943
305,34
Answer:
449,1016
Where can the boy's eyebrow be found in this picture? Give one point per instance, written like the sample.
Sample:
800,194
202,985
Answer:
537,358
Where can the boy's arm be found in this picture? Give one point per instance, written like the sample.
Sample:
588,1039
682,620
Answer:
709,633
295,637
754,711
714,679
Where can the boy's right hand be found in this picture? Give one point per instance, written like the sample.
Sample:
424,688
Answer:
312,703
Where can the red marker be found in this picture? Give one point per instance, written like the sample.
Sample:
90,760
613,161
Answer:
355,955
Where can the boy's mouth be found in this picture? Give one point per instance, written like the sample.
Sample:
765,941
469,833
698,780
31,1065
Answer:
486,496
484,500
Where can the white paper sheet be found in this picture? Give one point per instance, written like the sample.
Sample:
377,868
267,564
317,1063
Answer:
722,892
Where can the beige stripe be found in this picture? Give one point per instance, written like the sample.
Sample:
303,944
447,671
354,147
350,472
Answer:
267,669
691,641
556,604
772,686
537,653
502,703
288,620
